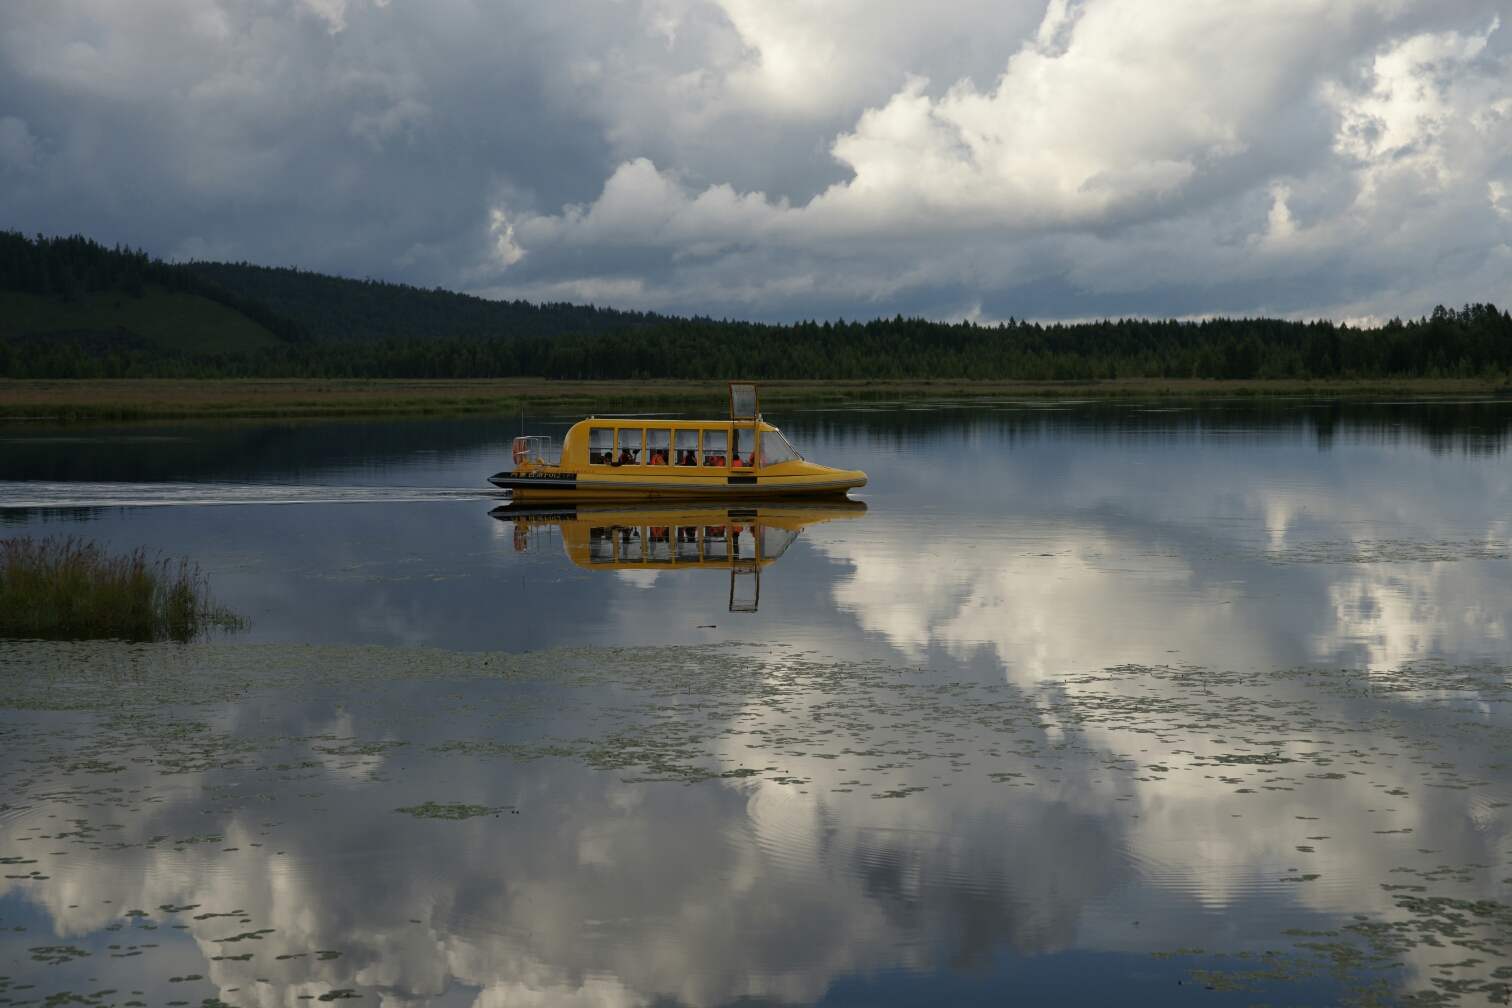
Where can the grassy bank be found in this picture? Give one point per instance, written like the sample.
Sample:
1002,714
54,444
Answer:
69,588
134,399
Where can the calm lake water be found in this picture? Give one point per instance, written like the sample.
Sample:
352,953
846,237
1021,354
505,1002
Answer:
1137,703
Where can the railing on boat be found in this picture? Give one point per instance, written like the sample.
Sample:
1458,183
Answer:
534,448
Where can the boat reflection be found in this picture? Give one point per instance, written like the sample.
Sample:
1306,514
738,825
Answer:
740,538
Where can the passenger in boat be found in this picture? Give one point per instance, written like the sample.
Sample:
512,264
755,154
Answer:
657,458
689,457
627,457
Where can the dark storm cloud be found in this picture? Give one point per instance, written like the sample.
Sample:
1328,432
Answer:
371,144
781,159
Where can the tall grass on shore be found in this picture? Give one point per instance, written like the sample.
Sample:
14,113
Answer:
69,588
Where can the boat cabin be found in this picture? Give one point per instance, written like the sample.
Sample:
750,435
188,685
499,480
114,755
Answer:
630,458
676,445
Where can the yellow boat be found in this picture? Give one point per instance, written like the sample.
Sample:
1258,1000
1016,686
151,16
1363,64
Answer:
638,459
739,537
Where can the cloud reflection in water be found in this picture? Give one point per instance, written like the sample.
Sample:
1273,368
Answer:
1135,713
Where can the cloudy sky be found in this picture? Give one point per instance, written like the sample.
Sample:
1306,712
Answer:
785,159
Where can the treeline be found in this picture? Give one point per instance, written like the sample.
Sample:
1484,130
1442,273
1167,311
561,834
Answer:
335,328
1473,342
1470,342
338,310
70,268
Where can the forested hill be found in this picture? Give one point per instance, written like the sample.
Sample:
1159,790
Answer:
338,310
372,329
294,305
70,270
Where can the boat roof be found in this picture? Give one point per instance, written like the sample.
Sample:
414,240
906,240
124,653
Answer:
657,422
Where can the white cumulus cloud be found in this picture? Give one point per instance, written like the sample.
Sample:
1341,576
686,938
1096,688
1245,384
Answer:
1134,147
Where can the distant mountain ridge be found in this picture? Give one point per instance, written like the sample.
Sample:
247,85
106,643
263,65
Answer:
339,310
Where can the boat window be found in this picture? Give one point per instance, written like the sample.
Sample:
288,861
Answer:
714,442
775,541
715,546
658,446
687,544
600,445
775,449
686,444
743,542
658,544
601,545
630,441
629,544
742,448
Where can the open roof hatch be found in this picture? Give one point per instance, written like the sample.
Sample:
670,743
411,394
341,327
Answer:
744,402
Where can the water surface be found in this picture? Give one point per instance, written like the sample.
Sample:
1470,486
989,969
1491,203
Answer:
1091,703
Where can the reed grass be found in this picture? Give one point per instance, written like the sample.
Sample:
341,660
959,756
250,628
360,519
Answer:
65,587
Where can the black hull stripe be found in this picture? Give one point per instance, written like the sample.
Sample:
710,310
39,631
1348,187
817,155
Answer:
523,481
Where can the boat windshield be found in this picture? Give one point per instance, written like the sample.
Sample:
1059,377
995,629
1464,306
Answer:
776,450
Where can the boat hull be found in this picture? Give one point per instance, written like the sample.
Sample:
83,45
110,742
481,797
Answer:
556,486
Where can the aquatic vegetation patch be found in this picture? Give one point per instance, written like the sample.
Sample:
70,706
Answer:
96,723
57,954
1371,956
453,810
1392,551
698,713
69,588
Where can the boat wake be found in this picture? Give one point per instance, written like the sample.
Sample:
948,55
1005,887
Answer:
38,494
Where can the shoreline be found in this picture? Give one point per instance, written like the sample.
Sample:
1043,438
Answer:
84,400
